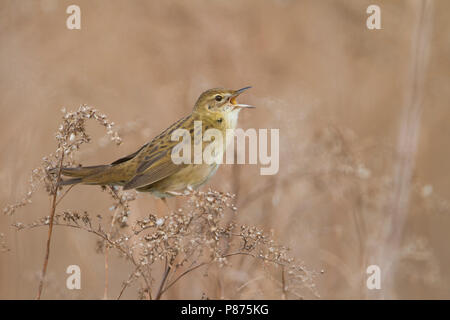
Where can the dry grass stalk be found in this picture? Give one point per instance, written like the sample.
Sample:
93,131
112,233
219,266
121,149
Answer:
408,140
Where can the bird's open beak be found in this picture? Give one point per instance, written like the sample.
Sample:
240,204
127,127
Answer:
235,95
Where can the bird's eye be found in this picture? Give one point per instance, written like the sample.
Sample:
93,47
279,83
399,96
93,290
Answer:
218,98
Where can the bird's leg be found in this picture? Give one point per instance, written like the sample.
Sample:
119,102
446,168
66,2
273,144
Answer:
165,202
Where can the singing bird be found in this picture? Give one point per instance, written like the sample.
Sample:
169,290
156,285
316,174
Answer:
151,168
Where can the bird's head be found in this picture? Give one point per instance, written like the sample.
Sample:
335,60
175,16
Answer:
219,100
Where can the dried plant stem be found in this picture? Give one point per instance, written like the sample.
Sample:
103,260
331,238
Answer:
65,193
407,145
182,275
163,280
127,283
162,290
50,229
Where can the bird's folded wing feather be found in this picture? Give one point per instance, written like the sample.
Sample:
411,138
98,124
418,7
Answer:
153,174
155,161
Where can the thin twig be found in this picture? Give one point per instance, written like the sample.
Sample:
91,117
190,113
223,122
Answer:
50,228
65,193
183,274
127,283
163,281
209,262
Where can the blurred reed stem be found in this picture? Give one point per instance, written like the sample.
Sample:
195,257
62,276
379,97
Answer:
406,150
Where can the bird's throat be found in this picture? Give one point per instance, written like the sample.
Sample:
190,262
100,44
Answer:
231,118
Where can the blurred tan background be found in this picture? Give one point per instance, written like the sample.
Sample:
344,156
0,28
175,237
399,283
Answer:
336,90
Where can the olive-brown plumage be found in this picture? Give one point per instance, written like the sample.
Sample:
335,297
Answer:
151,168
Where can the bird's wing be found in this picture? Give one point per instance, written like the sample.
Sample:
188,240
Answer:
154,161
153,174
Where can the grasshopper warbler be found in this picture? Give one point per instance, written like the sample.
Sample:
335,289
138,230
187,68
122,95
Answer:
151,168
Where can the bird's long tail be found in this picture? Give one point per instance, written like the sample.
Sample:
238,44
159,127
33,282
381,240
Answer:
88,175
